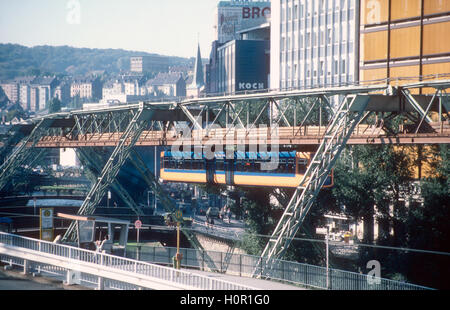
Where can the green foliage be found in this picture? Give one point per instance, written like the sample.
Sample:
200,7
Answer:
371,182
428,228
17,60
378,176
17,111
251,244
54,105
298,110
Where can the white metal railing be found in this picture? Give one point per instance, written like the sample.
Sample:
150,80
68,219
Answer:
290,272
105,267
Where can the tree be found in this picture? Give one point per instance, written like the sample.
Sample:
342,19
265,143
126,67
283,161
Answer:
54,105
428,228
379,176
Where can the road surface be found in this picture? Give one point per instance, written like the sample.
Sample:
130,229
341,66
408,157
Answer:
14,280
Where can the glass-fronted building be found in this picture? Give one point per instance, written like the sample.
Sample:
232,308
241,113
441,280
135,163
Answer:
405,41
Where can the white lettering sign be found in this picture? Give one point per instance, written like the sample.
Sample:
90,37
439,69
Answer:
74,14
374,14
250,86
374,275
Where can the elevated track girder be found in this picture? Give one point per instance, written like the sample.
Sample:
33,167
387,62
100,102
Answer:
324,120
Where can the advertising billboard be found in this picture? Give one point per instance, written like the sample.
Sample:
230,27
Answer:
234,16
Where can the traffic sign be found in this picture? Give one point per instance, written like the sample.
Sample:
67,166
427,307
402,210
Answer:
46,224
178,216
322,231
138,224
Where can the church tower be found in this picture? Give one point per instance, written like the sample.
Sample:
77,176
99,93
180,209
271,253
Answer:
198,83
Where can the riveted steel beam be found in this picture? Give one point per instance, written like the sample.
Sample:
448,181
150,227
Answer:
22,154
167,203
93,161
111,169
336,136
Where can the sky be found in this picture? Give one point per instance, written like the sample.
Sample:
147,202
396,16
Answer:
166,27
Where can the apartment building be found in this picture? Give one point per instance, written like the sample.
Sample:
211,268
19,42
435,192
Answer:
34,98
171,84
62,92
11,90
88,88
139,64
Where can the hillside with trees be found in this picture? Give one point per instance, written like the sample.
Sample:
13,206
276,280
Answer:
17,60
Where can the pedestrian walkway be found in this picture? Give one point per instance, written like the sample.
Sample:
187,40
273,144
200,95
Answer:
255,283
233,230
14,281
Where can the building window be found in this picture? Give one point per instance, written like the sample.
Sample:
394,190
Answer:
344,35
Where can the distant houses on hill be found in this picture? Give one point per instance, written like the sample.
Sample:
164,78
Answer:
33,93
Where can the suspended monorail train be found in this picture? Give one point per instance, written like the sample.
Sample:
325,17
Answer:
267,169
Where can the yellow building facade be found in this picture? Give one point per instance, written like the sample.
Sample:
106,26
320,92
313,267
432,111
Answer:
404,41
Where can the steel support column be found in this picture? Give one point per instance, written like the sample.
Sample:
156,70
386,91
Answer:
22,154
335,139
151,181
93,161
112,167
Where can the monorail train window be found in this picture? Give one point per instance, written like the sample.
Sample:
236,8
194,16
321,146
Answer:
258,165
302,165
174,163
286,166
168,163
239,165
282,166
291,165
197,165
220,165
187,164
179,164
247,166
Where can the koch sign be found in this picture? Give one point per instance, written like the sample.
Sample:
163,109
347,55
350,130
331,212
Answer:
251,86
